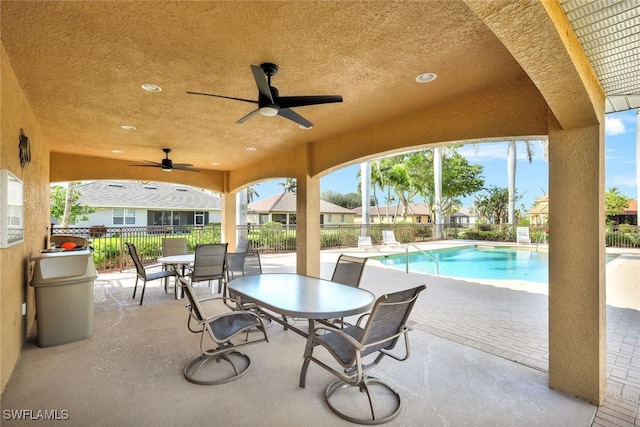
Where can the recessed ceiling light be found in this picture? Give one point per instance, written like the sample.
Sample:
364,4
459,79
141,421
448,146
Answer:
151,87
250,149
128,127
117,151
426,77
215,164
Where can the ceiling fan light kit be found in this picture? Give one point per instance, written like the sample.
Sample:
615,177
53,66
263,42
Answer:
167,164
270,103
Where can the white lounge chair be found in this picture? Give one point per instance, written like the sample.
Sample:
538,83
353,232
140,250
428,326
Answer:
389,238
522,235
364,242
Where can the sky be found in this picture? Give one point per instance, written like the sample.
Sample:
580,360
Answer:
531,178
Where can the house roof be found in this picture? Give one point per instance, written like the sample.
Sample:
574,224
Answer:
541,207
153,195
632,208
286,202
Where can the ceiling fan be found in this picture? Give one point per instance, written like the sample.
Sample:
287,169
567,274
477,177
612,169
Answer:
167,165
270,103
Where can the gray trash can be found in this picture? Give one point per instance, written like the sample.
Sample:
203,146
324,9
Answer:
63,283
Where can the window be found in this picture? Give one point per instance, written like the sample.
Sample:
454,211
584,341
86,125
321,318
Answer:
419,219
329,219
11,210
342,218
124,217
199,218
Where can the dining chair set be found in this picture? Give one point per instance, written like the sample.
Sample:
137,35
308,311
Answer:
352,347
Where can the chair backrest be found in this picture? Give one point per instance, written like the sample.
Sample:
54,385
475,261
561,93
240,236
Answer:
243,246
196,308
252,264
136,260
522,235
364,241
348,270
174,246
388,317
388,236
235,263
209,262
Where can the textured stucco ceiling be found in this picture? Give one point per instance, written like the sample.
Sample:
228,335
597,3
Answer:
81,65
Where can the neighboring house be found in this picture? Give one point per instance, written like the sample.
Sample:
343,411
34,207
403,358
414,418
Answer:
417,213
539,213
628,216
133,203
282,208
465,217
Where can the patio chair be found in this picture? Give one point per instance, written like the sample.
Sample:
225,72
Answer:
220,329
235,260
252,265
142,274
522,235
348,271
389,238
364,242
209,264
175,246
384,326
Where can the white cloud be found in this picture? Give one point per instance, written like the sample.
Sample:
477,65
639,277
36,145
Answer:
488,151
614,126
621,181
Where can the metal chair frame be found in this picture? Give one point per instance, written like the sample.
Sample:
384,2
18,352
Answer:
141,272
219,329
384,326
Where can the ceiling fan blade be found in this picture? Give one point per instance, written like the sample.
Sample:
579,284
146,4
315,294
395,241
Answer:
295,117
261,81
182,165
186,169
156,165
221,96
248,116
301,101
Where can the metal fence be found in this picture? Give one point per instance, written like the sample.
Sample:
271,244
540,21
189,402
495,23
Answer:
109,250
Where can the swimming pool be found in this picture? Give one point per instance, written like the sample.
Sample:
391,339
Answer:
478,262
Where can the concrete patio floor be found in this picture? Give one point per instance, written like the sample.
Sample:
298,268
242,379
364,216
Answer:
479,356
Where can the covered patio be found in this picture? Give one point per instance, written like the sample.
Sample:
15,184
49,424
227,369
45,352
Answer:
100,86
479,356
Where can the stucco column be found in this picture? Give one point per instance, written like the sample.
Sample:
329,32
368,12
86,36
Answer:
577,303
228,226
308,216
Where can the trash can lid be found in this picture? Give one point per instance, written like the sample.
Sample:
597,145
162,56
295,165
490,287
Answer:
61,267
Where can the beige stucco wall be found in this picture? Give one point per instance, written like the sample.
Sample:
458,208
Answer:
15,267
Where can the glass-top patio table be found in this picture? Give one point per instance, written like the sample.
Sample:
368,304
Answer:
299,296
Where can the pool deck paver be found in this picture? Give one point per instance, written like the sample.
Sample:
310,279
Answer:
509,319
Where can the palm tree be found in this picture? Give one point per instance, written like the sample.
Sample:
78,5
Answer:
365,190
511,174
251,194
437,185
289,185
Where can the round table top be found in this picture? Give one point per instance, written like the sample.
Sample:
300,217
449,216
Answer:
177,259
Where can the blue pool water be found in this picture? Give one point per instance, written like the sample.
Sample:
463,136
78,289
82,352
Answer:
478,262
